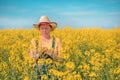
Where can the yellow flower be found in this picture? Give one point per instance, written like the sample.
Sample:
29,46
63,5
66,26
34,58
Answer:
54,72
116,55
70,65
86,67
117,70
49,61
26,78
77,77
87,53
65,56
41,61
44,77
92,74
80,67
57,64
103,45
92,50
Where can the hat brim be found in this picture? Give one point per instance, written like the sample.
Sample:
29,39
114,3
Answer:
52,24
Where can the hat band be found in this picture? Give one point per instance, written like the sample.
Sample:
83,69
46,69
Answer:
44,23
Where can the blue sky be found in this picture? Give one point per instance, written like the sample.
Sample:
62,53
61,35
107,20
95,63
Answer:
73,13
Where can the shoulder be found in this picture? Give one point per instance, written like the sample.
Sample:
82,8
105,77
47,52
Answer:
33,40
57,39
36,39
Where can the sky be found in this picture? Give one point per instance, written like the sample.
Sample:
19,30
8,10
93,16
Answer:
72,13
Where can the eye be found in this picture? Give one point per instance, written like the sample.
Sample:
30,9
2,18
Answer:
41,28
47,28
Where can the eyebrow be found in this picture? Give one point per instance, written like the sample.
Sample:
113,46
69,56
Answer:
50,26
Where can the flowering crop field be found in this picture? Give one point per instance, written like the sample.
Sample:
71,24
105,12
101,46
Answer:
88,54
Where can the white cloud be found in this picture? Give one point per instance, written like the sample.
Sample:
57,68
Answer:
114,13
12,21
15,22
91,13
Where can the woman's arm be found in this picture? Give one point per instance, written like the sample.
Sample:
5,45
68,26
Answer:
32,55
33,52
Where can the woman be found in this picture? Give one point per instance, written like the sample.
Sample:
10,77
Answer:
45,44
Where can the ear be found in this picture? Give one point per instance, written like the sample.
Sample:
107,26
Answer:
50,27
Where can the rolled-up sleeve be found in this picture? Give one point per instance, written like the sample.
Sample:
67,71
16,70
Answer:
58,47
32,45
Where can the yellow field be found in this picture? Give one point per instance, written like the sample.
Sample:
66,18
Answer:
89,54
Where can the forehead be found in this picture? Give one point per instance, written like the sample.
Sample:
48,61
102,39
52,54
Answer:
44,25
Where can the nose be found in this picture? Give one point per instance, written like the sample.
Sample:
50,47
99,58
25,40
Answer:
44,30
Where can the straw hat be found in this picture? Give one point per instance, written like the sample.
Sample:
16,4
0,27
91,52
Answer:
45,20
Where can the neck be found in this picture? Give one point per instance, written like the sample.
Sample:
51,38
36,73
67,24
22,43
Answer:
46,37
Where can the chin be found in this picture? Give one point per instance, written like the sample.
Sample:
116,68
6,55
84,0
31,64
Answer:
45,34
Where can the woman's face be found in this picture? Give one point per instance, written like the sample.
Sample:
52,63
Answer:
45,29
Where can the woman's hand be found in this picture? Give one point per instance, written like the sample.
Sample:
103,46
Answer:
32,55
48,51
37,55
